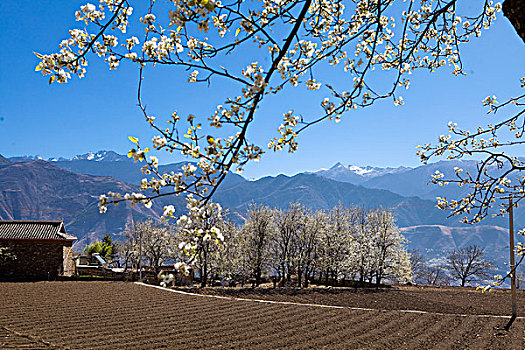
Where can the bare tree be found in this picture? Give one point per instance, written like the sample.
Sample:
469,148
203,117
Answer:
417,264
425,273
469,264
435,275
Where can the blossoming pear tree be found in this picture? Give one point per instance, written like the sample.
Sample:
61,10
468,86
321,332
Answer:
294,44
499,175
200,229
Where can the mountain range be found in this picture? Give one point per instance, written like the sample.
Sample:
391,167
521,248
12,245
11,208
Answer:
31,188
435,241
41,190
357,175
100,156
402,180
109,163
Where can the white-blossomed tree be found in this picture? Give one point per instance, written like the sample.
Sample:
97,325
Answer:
286,45
498,181
147,244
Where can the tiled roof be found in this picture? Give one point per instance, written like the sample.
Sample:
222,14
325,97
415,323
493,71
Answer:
39,230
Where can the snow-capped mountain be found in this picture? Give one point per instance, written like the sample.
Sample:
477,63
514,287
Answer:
403,180
110,163
355,174
100,156
25,158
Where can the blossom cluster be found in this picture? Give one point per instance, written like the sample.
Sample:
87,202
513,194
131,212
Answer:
498,176
200,226
288,43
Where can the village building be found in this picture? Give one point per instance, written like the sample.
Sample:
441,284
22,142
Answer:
39,250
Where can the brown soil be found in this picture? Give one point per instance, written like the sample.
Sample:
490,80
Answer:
449,300
119,315
10,339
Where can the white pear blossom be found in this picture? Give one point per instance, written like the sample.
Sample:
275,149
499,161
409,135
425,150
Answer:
282,44
168,211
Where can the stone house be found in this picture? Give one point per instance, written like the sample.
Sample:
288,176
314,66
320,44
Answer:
42,250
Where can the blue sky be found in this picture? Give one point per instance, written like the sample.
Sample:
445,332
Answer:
99,111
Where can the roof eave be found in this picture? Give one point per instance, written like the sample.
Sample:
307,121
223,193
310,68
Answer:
38,240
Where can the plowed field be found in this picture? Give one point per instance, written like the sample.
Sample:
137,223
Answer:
447,300
118,315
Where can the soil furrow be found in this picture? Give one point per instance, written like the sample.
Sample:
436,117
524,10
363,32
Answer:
118,315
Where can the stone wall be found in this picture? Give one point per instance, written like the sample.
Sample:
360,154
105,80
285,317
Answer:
42,260
88,271
69,263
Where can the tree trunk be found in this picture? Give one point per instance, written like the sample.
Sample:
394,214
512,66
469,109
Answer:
334,278
307,275
282,275
378,281
204,276
258,274
514,10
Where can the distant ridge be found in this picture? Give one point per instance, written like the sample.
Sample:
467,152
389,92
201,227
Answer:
39,190
107,156
101,156
69,190
437,240
404,181
25,158
4,161
321,193
56,190
355,174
